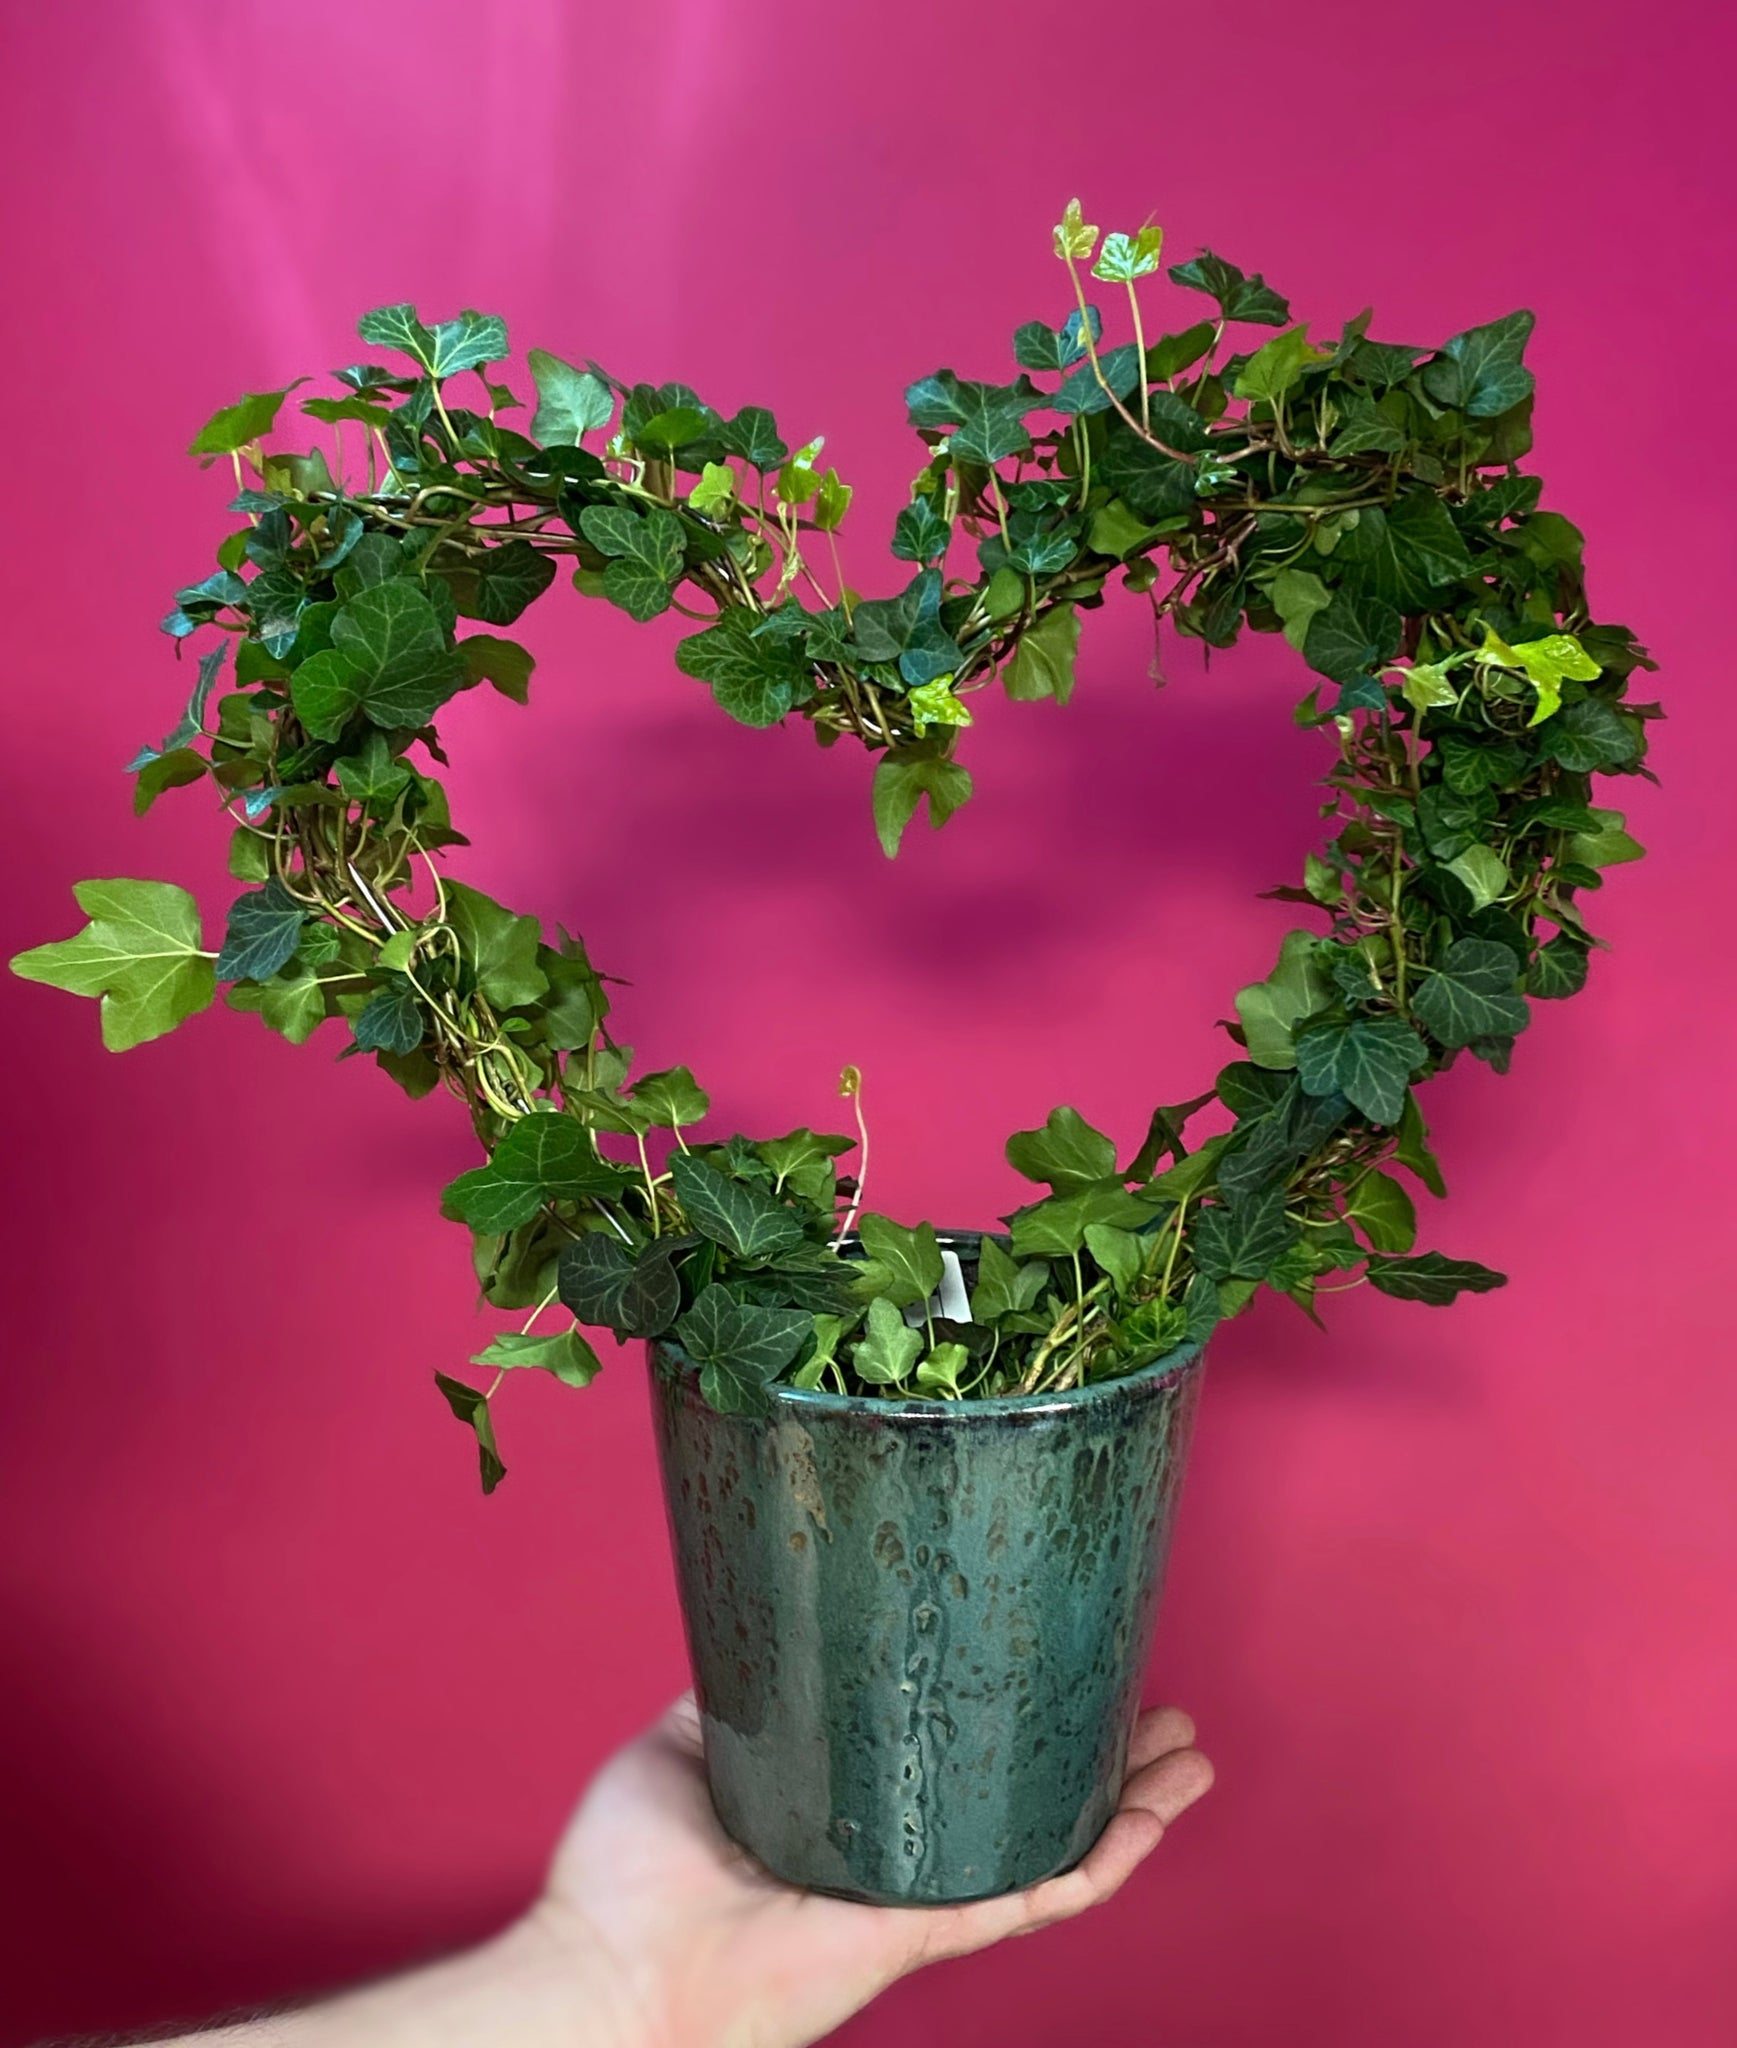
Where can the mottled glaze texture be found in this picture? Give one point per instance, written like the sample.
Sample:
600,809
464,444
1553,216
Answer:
918,1629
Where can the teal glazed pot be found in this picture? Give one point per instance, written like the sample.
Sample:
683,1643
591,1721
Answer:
918,1629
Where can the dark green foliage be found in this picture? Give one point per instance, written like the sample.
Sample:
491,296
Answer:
1361,497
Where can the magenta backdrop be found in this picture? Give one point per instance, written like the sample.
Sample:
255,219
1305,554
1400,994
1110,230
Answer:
284,1699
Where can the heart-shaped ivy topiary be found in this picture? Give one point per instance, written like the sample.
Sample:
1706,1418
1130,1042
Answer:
1363,498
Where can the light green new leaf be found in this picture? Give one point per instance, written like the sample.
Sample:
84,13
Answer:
1607,846
1277,364
500,947
1484,873
236,426
889,1350
714,492
565,1353
1297,596
1043,658
910,1259
1384,1212
670,1099
140,953
1271,1010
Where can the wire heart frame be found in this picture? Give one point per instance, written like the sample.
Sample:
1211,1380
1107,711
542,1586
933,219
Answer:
1364,498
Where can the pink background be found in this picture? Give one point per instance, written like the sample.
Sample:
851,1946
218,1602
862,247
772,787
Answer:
283,1699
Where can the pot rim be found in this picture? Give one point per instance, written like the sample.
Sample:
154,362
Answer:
1173,1366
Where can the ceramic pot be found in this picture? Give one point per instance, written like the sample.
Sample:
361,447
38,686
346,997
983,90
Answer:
918,1628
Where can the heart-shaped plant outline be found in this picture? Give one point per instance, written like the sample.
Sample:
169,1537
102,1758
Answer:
1364,498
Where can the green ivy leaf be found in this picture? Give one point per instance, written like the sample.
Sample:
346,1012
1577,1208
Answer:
1590,735
543,1157
398,327
393,637
1403,556
564,1353
1274,367
654,537
264,927
1354,635
987,420
902,780
1057,1225
1004,1287
139,952
570,403
1473,993
1368,1061
1239,298
670,1099
1432,1278
504,663
391,1022
1412,1149
909,1259
1384,1212
501,948
504,583
237,426
1064,1152
755,678
472,1408
714,493
1042,664
888,1351
373,774
1243,1240
740,1348
747,1222
1483,871
1481,370
1271,1010
753,435
1038,347
633,1293
327,691
1558,969
920,534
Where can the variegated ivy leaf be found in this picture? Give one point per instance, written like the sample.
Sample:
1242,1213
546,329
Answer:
935,704
712,495
1074,238
1546,664
1126,257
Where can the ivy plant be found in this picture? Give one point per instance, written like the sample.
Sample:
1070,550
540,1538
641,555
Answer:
1365,499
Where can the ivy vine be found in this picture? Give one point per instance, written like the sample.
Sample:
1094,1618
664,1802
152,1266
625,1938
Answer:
1363,498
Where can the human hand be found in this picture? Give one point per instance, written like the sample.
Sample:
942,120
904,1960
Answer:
684,1941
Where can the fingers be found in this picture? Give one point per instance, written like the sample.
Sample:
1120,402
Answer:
1157,1732
1167,1779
